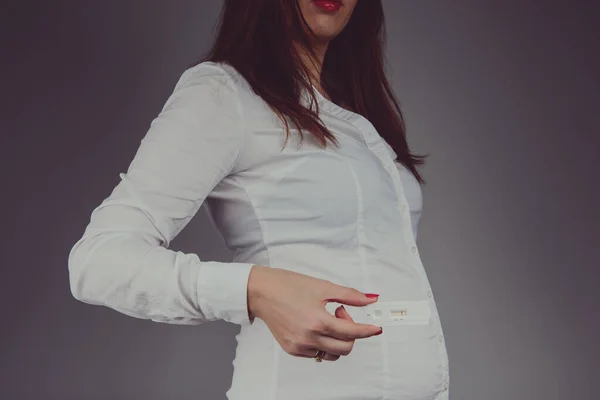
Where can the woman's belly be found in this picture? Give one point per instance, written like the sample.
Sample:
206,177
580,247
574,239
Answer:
408,361
403,363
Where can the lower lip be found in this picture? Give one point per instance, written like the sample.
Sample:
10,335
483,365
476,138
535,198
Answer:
328,5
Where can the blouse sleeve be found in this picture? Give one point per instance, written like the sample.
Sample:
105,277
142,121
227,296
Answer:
122,261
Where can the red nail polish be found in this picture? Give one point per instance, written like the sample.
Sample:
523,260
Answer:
372,295
380,331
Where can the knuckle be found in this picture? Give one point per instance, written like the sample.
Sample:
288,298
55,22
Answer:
291,346
345,335
316,326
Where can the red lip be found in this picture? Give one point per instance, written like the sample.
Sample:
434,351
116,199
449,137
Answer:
328,5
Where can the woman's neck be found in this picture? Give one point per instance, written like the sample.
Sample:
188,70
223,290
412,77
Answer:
314,66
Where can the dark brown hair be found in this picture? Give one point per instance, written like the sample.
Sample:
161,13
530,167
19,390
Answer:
256,38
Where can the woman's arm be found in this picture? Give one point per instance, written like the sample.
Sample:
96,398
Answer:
122,260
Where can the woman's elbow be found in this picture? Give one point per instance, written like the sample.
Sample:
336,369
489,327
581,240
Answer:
80,281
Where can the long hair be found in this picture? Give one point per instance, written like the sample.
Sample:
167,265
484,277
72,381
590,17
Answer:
257,38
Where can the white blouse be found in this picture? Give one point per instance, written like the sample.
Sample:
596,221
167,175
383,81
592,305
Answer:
348,214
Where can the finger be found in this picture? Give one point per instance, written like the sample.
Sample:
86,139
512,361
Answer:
309,352
330,357
326,356
345,329
350,296
341,312
334,346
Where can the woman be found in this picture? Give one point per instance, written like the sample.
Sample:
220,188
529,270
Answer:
289,134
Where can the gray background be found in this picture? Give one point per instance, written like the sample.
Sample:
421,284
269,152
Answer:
504,95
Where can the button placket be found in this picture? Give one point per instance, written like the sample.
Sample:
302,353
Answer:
375,144
377,147
403,207
384,157
388,164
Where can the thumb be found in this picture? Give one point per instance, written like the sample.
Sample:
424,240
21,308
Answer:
352,297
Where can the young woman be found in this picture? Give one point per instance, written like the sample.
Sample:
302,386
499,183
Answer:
289,134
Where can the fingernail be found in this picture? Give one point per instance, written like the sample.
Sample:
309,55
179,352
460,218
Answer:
372,295
380,331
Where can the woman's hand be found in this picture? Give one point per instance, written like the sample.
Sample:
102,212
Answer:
292,305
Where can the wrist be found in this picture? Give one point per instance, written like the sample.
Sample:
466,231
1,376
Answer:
254,290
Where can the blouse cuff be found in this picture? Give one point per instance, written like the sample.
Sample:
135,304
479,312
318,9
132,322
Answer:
222,291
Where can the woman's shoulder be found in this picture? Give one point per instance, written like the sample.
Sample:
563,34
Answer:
210,70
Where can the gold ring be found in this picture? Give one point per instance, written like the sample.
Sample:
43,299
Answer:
319,356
